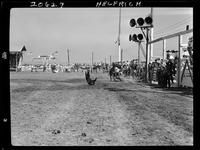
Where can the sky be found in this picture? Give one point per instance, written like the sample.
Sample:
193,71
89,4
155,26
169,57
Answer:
86,30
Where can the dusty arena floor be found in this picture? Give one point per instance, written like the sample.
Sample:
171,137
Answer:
62,110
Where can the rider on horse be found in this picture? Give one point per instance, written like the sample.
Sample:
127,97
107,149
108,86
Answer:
114,72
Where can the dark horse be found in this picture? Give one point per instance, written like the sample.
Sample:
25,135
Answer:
113,73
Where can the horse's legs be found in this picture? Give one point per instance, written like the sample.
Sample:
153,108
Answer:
119,78
109,73
114,76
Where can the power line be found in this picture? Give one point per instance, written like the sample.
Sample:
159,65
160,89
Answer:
165,34
177,23
180,26
183,22
172,30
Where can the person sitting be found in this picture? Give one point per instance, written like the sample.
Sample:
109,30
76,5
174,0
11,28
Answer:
91,82
87,75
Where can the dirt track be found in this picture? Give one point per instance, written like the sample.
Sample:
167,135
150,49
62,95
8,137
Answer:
61,109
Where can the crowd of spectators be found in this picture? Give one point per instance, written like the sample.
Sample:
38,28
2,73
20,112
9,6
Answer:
161,71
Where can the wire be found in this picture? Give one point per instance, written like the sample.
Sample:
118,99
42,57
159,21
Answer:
181,26
167,33
183,21
172,30
172,27
176,24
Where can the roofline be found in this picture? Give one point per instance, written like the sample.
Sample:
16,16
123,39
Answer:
21,50
171,36
15,51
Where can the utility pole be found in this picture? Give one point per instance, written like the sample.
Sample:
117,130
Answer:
164,49
147,55
140,24
92,63
180,38
151,38
92,59
139,44
16,61
121,55
119,32
68,56
110,60
139,61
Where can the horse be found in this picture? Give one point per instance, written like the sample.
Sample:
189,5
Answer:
105,68
96,67
114,73
76,67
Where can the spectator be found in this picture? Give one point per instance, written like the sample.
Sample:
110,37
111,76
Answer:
150,72
169,71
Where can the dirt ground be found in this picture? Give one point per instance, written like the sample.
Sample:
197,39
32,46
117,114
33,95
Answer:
62,110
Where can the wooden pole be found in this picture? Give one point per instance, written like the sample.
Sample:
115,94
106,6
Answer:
92,59
151,37
119,32
143,52
68,56
139,43
121,55
164,49
16,62
147,55
179,61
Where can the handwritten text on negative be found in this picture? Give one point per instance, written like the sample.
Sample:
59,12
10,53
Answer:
118,4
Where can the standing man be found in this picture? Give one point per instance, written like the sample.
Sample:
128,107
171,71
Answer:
150,72
169,68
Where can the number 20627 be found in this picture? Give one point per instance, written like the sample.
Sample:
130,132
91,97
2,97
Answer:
47,4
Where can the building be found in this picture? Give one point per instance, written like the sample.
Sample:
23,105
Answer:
16,57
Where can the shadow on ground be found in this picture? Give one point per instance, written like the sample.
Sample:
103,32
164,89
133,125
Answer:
183,91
